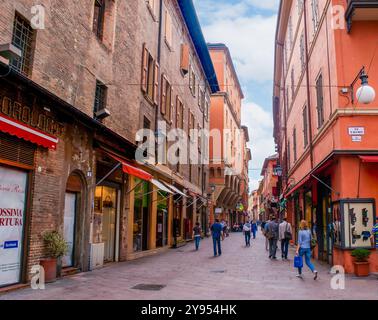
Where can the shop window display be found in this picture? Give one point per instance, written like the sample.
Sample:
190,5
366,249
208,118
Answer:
141,212
353,222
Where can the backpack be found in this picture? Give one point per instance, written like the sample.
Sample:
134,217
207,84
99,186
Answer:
246,228
287,234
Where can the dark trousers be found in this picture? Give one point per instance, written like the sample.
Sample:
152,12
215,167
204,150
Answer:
197,242
272,247
247,236
284,248
217,242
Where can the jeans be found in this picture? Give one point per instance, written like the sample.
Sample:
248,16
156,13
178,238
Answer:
307,254
197,242
284,248
247,236
254,234
217,241
272,248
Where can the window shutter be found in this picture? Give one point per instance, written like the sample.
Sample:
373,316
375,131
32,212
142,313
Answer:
163,94
156,83
184,58
171,106
177,111
145,55
168,98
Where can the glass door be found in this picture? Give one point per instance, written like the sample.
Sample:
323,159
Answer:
69,227
109,210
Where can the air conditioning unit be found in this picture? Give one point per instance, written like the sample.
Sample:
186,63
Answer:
9,51
97,256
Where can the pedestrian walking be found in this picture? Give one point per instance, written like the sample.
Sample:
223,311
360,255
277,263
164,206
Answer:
304,248
285,235
254,228
272,235
265,232
247,233
223,223
216,232
197,235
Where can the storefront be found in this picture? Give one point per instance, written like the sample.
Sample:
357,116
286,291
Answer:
13,211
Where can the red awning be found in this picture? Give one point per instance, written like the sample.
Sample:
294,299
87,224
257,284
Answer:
300,184
22,131
369,159
132,170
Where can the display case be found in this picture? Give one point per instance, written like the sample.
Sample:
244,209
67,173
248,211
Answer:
353,221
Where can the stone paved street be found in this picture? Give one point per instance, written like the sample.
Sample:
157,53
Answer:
240,273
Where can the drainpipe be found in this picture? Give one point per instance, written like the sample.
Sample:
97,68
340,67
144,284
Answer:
158,61
308,85
285,123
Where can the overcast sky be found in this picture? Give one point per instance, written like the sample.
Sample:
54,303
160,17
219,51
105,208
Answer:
248,27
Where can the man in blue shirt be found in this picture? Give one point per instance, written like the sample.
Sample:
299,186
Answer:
216,232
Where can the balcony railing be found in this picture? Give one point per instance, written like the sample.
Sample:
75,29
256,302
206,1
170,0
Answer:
361,10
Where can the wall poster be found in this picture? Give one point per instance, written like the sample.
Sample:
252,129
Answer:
12,211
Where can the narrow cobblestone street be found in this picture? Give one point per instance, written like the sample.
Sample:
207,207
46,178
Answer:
240,273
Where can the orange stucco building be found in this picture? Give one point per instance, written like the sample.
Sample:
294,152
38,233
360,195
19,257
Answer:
229,156
327,139
269,192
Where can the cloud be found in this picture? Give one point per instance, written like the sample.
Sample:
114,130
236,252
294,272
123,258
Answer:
265,4
260,124
250,37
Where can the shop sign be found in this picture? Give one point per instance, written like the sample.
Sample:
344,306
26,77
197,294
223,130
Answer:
12,208
32,117
218,210
356,131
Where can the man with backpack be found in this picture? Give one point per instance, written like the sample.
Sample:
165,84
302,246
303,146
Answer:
272,236
285,235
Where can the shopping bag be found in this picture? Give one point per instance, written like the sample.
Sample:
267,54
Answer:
298,262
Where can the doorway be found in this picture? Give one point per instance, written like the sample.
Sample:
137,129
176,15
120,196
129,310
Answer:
108,197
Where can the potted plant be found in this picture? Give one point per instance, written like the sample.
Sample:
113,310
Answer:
361,262
56,248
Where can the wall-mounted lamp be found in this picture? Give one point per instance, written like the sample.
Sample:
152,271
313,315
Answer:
365,94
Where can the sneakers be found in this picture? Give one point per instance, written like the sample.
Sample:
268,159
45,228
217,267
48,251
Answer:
299,276
315,275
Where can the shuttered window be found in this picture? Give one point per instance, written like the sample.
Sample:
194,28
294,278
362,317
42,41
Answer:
319,100
305,126
98,18
16,150
179,113
184,63
166,105
150,76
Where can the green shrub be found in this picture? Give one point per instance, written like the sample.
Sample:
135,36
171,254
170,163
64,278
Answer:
361,255
56,246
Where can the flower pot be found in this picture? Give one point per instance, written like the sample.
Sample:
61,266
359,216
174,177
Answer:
50,267
361,269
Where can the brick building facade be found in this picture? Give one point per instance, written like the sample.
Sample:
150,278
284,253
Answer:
97,73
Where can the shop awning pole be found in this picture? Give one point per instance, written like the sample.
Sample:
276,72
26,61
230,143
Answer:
165,198
323,183
136,186
108,174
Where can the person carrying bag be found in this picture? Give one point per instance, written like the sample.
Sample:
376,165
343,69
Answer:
304,248
285,235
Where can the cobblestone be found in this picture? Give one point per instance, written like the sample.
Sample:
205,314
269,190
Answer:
247,274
